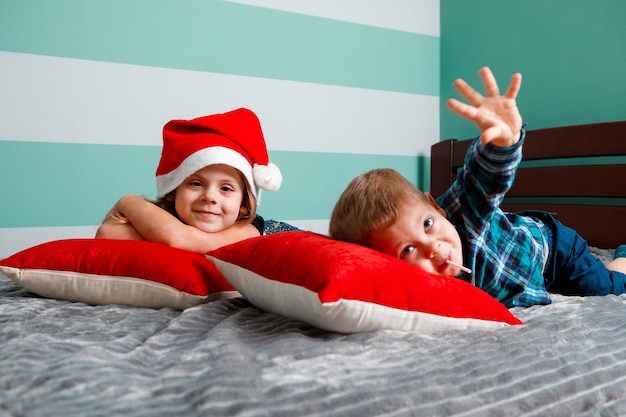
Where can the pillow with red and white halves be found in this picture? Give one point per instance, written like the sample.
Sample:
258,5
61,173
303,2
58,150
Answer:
349,288
129,272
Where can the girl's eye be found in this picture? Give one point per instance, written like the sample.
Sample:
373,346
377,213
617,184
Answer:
407,251
195,183
227,188
428,223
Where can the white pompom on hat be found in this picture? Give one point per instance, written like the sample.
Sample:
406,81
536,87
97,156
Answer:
234,138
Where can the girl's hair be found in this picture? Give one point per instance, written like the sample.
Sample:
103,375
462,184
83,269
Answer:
248,204
372,200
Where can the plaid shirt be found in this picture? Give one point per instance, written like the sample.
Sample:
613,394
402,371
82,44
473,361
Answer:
506,252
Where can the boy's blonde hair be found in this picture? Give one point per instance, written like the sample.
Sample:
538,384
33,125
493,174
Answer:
372,200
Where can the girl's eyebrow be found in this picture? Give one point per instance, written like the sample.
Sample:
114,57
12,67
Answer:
220,178
232,183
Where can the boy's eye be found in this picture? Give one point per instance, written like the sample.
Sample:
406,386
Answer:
428,223
407,251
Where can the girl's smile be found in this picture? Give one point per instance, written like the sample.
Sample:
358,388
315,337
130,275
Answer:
210,199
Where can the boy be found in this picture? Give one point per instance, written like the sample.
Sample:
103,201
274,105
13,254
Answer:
517,258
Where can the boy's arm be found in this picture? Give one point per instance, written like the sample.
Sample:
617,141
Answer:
488,173
490,164
497,117
150,222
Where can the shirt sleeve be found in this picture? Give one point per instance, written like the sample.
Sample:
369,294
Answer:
259,223
488,173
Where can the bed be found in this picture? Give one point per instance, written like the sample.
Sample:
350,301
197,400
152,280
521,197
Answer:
228,357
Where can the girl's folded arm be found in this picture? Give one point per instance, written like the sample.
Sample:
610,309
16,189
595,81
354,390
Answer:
139,219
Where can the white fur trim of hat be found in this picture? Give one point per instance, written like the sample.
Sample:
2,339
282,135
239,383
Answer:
234,138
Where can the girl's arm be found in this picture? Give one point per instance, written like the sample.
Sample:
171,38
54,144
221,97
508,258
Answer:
146,221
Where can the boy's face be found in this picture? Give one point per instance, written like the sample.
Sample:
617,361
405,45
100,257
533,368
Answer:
423,237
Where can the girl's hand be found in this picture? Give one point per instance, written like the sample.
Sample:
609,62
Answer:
496,116
116,226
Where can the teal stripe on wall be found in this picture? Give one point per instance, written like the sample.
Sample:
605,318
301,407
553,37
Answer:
314,181
224,37
62,184
571,54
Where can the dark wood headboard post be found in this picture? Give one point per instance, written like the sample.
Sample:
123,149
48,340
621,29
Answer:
588,197
441,160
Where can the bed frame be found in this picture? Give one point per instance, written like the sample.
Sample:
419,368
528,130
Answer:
586,193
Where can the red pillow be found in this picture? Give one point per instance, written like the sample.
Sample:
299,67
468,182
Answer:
130,272
349,288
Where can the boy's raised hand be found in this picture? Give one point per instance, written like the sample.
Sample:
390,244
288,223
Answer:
496,116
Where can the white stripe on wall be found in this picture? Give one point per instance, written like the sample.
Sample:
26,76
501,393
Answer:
55,99
317,225
13,240
416,16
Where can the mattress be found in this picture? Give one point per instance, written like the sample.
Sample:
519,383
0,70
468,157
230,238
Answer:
228,358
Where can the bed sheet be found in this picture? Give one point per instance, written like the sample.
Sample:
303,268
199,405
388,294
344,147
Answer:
227,358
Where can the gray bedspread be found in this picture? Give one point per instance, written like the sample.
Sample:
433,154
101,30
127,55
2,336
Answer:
228,358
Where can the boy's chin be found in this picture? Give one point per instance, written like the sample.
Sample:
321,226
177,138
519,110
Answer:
447,270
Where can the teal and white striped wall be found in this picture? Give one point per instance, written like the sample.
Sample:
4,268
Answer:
340,86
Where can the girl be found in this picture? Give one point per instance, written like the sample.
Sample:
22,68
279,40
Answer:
209,183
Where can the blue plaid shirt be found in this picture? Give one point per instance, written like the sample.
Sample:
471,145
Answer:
506,252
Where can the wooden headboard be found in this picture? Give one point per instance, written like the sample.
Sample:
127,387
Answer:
590,198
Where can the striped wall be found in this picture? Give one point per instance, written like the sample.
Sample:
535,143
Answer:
340,86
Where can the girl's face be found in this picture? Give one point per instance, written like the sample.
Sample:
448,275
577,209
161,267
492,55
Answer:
210,199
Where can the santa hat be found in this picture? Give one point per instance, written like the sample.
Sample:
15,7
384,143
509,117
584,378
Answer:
234,138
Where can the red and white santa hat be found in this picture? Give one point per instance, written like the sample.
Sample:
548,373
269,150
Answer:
234,138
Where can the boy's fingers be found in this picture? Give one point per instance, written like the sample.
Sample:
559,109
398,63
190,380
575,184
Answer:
468,92
463,109
489,134
491,85
514,87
